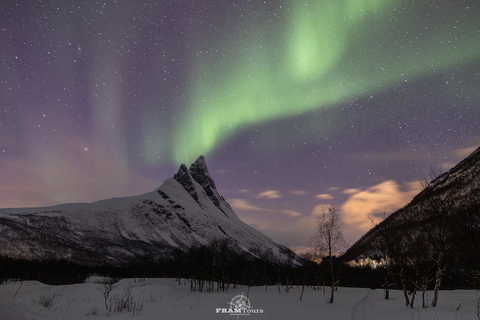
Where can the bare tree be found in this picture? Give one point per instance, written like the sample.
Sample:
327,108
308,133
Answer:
471,238
433,173
106,286
394,241
439,231
386,245
328,240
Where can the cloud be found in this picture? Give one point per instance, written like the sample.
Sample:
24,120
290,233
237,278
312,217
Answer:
242,204
298,224
325,196
387,195
465,152
270,194
301,249
458,155
292,213
447,165
350,191
318,210
333,189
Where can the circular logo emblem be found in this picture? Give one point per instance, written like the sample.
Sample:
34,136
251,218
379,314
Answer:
240,302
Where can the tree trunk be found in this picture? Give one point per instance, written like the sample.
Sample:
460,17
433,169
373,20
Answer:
438,282
405,293
424,305
332,280
332,289
324,290
413,299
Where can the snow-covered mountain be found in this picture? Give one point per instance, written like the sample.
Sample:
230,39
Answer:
184,211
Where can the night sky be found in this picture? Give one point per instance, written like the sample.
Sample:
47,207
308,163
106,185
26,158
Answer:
295,104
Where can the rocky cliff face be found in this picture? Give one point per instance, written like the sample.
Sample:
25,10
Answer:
184,211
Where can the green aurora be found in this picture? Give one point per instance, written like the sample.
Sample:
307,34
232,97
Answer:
326,53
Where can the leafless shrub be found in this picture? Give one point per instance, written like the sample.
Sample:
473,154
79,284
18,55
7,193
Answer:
126,302
49,300
105,287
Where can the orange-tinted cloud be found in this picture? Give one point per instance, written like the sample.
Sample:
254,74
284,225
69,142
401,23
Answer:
447,166
387,195
465,152
324,196
350,191
458,155
292,213
270,194
318,210
242,204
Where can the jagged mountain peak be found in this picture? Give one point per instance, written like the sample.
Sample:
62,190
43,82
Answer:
200,163
197,180
183,170
184,177
199,172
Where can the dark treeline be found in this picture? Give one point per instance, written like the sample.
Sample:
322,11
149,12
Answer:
220,262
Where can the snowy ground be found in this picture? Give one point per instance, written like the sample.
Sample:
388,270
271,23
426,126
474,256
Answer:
165,299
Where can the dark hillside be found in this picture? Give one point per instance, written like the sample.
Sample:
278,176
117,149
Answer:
435,237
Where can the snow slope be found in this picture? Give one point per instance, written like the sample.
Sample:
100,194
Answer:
185,210
166,299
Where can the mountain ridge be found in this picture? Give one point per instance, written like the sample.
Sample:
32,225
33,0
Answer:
186,210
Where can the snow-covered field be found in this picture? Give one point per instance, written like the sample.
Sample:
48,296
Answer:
166,299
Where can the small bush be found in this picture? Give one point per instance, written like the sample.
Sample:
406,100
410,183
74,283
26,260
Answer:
106,286
49,300
126,302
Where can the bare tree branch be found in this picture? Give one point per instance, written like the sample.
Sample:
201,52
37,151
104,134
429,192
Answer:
328,239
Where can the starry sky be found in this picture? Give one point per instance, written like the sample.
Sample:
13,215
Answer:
296,104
